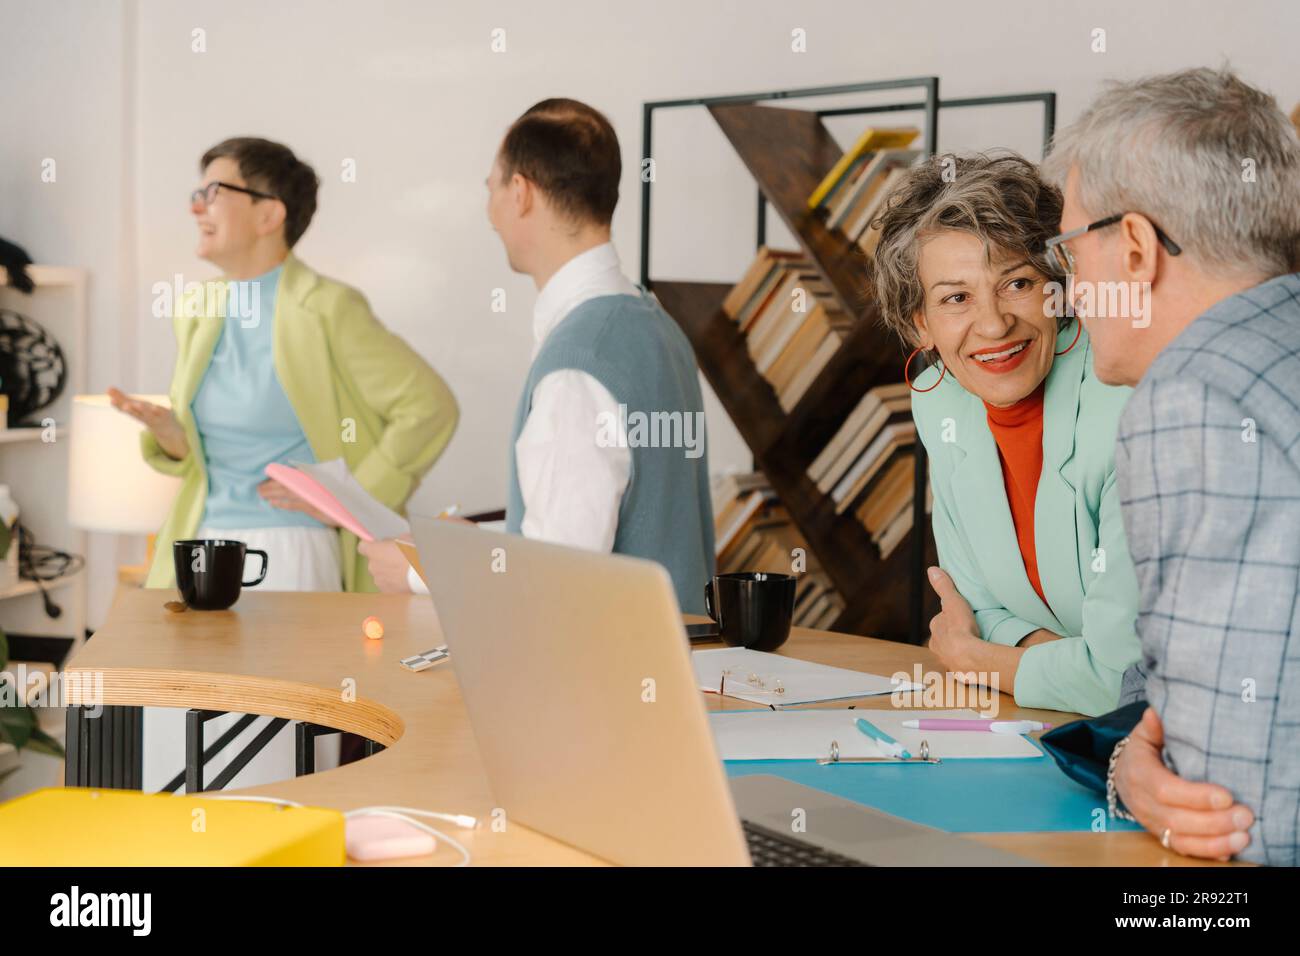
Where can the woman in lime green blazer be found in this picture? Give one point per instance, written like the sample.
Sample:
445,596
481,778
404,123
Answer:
1039,596
357,391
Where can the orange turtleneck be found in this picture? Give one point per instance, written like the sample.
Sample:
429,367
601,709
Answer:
1018,431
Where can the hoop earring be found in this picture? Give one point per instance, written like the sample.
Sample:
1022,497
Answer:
908,380
1077,332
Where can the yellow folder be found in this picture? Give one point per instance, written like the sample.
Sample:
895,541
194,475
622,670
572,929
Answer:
78,827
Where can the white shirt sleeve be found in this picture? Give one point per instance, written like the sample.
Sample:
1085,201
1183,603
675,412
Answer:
571,475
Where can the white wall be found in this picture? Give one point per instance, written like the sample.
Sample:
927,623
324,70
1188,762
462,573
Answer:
413,93
65,69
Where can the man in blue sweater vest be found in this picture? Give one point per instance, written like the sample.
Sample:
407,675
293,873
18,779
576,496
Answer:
607,449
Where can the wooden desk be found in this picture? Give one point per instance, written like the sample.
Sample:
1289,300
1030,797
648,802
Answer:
299,655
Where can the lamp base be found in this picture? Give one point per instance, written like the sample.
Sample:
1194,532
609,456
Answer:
134,575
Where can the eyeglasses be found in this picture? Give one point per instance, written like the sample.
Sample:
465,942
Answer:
206,194
754,685
1063,257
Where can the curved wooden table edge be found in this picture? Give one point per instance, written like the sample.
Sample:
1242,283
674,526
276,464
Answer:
246,694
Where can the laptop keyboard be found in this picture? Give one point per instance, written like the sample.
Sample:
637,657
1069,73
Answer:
770,848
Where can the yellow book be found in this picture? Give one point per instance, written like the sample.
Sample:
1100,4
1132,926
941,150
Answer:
873,139
72,826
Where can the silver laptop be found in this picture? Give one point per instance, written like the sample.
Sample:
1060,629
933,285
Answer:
575,668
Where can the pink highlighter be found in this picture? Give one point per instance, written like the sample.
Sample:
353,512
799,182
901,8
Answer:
988,726
318,496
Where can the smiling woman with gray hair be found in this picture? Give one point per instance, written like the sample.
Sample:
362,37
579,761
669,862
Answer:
1038,593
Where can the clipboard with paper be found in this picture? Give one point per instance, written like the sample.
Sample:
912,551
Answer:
809,735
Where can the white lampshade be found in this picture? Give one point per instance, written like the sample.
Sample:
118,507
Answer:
110,488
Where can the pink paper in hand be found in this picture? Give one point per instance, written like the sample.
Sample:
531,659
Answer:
312,492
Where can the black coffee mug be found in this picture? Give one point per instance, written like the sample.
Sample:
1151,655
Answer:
751,608
210,571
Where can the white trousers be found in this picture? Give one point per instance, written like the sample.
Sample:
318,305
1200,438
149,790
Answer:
298,559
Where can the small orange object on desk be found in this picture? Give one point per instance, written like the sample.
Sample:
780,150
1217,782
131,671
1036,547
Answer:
373,628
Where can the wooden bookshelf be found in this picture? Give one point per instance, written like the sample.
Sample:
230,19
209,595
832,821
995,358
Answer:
787,152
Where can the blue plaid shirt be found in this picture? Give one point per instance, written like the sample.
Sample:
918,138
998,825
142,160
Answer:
1208,468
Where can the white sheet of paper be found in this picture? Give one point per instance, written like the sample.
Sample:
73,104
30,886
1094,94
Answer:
374,515
803,682
807,735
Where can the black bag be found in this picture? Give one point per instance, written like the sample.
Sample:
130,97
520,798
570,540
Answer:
1082,749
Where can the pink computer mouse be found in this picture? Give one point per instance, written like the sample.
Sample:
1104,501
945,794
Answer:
371,838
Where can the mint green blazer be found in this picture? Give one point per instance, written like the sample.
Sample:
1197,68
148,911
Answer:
1083,559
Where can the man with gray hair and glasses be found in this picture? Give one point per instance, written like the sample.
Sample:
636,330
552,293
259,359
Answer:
1182,206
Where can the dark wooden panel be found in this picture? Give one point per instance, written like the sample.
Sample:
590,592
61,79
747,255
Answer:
724,360
881,607
788,152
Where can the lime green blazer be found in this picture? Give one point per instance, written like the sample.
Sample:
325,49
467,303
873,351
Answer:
360,394
1083,559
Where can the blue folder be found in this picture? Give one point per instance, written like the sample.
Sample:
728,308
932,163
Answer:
959,796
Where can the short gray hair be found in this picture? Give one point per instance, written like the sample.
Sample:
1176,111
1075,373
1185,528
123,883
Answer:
1209,158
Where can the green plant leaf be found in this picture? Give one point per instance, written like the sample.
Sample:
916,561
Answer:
16,725
42,743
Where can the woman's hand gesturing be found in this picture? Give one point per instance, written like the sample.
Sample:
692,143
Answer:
159,420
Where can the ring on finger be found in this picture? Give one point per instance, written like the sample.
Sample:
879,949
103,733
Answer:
1164,838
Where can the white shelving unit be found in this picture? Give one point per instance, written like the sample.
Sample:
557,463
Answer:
37,470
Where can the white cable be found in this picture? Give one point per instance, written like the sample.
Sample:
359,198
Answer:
462,820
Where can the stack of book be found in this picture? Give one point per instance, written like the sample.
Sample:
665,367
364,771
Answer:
886,509
816,603
864,230
791,320
869,462
853,193
754,532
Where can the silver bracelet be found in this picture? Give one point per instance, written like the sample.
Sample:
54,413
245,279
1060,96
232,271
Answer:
1112,796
